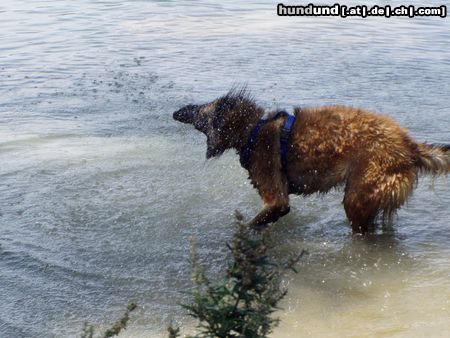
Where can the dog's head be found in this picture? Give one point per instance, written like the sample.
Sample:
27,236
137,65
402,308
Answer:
223,120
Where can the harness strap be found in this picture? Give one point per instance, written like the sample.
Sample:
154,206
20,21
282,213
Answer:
284,140
248,150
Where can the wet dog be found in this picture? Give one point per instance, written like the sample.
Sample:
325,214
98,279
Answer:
368,153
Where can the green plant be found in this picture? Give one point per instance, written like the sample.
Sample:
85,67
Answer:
118,326
242,304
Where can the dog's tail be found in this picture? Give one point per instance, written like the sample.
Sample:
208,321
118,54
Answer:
434,159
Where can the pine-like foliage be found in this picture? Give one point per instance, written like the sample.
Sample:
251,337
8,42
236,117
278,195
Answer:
242,304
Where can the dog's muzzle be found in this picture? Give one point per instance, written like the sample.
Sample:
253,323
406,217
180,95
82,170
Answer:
186,114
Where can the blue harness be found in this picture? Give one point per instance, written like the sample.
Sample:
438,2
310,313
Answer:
284,139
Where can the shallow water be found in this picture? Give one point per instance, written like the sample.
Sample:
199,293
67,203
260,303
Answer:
101,189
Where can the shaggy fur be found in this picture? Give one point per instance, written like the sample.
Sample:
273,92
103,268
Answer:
368,153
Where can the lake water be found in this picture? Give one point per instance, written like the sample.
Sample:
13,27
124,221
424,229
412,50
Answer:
101,190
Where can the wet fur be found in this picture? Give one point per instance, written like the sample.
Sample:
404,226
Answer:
367,153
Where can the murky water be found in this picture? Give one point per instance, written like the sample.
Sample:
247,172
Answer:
101,190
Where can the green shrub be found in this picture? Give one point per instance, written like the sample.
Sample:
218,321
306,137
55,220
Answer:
242,304
121,324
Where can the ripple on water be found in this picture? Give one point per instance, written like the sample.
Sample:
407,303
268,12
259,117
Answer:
101,190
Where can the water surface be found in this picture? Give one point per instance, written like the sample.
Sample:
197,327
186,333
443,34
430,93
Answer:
101,189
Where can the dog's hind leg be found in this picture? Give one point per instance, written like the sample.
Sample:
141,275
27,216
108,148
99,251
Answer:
362,201
376,189
361,207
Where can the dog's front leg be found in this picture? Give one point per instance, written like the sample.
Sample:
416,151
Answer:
269,214
276,203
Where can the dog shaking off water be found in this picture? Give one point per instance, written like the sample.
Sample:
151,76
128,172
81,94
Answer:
370,154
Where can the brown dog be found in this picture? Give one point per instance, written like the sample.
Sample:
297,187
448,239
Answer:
370,154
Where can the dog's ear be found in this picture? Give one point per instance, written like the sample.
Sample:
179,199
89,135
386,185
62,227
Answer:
225,103
225,109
